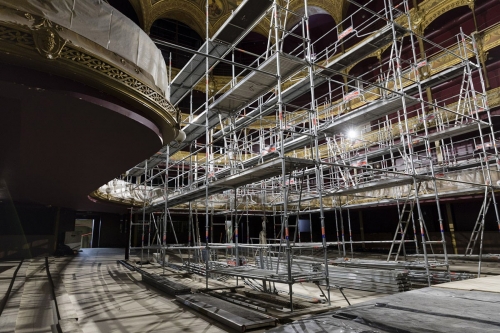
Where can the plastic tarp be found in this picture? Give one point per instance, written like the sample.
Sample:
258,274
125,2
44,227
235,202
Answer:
463,181
120,189
104,25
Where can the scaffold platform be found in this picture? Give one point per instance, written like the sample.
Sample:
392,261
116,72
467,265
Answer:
259,82
237,26
337,64
369,112
263,171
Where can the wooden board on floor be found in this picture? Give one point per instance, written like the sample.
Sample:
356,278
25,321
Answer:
489,284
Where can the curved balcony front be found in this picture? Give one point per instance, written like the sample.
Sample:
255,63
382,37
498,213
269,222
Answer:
82,95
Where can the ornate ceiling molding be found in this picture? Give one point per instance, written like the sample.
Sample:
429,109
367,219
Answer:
139,9
186,12
189,12
430,10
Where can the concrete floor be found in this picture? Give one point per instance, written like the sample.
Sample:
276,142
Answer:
96,294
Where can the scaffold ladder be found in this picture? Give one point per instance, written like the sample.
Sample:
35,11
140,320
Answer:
405,217
464,104
479,226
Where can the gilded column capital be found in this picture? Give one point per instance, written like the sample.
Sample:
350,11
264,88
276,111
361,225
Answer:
481,38
417,18
470,4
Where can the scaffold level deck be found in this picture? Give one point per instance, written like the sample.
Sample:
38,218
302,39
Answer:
194,70
263,171
371,111
235,27
436,78
458,129
257,83
374,185
365,47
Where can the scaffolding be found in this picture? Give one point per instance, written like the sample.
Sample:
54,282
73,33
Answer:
294,134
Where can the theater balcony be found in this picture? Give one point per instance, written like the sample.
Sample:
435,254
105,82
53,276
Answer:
82,99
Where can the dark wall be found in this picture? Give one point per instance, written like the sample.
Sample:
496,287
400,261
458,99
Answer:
110,230
114,230
28,230
379,223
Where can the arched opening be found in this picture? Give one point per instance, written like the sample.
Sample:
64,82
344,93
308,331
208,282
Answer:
125,7
253,43
362,21
322,31
178,33
445,28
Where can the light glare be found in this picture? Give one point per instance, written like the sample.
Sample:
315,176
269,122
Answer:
352,134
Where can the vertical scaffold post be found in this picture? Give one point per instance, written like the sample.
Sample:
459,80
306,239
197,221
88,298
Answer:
428,147
398,86
314,123
492,131
284,187
130,233
236,228
144,210
164,237
207,148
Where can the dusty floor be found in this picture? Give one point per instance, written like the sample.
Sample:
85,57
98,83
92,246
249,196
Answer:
96,294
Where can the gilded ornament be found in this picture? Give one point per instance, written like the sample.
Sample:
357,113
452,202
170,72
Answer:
16,36
416,21
29,17
47,39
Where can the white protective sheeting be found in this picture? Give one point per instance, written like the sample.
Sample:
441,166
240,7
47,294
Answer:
105,26
121,190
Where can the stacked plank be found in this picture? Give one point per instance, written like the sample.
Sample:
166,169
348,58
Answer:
416,270
388,281
298,265
166,285
368,279
437,277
